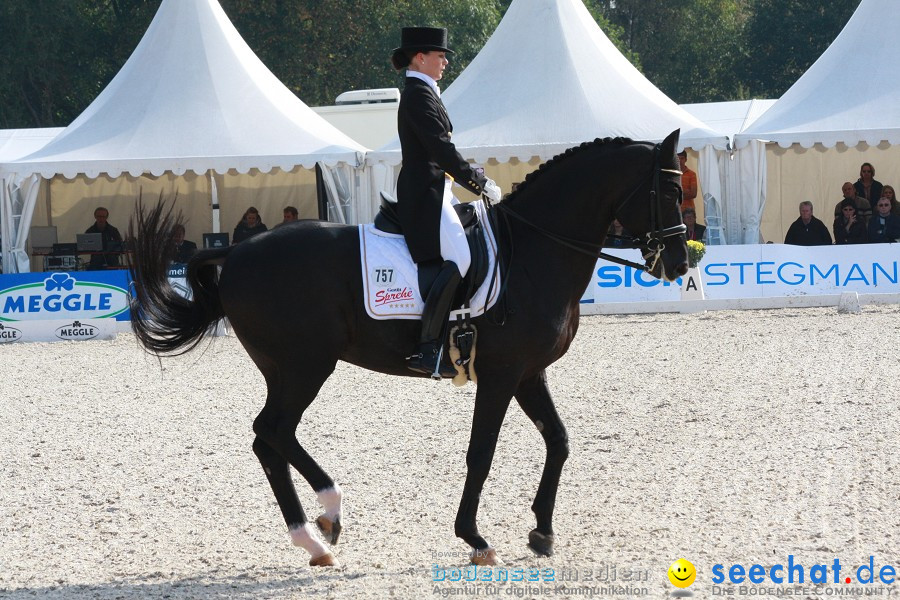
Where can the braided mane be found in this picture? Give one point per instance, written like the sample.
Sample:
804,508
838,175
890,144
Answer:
570,152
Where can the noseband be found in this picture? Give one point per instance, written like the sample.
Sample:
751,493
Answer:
651,245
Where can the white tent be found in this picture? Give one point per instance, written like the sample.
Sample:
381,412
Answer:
841,112
549,79
729,118
192,100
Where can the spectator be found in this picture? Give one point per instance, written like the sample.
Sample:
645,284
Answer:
884,226
184,249
863,207
694,231
807,230
290,215
616,229
249,226
849,228
688,183
866,186
112,241
889,193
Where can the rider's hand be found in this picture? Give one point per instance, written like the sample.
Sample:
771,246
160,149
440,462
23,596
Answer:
491,191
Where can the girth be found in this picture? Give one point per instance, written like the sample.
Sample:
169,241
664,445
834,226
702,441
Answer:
387,221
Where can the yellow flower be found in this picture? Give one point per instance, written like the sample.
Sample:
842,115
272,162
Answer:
696,250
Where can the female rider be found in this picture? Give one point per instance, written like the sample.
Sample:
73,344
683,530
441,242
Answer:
424,199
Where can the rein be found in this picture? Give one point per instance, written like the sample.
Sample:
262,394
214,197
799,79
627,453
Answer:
651,245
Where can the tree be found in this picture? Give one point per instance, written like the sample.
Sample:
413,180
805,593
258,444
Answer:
785,37
687,49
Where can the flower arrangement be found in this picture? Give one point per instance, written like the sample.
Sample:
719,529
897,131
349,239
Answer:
696,250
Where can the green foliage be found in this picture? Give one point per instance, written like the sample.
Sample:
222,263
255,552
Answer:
784,37
59,54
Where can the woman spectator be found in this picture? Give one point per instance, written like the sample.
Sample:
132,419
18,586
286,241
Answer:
249,225
884,227
848,227
889,193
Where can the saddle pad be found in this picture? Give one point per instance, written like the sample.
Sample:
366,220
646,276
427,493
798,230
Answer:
390,277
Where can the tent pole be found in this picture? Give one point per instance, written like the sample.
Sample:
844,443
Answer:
214,196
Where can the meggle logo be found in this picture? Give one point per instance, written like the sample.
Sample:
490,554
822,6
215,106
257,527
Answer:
9,334
77,331
61,296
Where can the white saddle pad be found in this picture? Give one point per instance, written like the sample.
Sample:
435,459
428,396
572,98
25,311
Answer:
391,279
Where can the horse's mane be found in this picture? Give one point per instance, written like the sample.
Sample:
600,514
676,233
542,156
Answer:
570,152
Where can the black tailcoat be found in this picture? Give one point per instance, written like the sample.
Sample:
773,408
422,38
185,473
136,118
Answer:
424,129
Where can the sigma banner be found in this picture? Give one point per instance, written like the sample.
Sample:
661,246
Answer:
64,295
758,271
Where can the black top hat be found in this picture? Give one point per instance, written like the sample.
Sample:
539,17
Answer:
424,38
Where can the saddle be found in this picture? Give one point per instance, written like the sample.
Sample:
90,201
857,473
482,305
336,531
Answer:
463,334
387,221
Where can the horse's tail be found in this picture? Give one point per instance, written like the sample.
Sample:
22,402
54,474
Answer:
164,321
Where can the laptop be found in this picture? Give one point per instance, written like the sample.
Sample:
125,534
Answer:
215,240
89,242
42,238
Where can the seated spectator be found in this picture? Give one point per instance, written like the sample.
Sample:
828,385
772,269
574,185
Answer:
291,214
112,241
249,226
884,226
184,249
616,229
807,230
863,207
849,228
889,193
694,231
866,186
688,183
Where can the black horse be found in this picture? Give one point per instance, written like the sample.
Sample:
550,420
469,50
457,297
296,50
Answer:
294,298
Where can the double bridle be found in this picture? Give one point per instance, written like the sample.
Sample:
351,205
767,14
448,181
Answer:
651,244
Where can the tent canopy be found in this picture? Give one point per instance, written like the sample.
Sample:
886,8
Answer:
849,95
192,97
16,143
548,79
729,118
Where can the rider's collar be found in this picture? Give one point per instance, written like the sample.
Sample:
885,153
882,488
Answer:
431,82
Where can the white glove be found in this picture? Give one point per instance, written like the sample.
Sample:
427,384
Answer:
492,191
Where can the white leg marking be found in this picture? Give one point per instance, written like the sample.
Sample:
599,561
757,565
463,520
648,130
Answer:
330,499
307,537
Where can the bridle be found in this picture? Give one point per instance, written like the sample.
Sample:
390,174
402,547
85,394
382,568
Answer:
651,244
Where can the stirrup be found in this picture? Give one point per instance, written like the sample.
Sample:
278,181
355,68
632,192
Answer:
421,362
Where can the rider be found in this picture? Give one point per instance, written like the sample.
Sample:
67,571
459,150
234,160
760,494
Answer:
424,199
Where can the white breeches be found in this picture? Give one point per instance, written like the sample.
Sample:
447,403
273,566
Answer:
453,239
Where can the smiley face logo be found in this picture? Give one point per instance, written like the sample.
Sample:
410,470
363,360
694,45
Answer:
682,573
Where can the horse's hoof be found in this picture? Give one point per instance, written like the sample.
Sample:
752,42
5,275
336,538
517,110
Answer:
486,558
326,560
330,529
540,543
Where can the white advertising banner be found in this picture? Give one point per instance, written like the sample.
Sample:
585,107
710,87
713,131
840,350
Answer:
759,271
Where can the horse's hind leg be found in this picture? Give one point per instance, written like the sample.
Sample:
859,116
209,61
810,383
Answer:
277,448
534,398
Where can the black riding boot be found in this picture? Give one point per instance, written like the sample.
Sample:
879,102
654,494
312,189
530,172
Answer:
434,317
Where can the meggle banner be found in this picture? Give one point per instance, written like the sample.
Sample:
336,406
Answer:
64,295
759,271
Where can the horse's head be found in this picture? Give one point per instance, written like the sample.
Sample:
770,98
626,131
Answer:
656,223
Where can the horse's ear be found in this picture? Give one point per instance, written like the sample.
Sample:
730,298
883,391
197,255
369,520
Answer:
670,144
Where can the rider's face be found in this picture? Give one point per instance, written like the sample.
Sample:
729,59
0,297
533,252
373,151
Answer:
431,63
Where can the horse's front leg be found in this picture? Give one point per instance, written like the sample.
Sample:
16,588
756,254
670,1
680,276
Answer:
534,398
491,402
